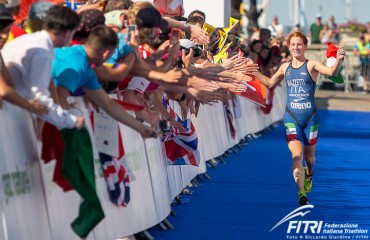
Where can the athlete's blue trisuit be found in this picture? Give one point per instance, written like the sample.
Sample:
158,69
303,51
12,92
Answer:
300,117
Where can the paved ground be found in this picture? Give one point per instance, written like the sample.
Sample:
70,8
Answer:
339,100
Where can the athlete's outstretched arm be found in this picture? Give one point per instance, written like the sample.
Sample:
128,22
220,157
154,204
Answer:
275,79
331,71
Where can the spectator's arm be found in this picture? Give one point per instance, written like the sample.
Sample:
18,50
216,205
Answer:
195,31
53,91
8,93
113,109
116,74
143,69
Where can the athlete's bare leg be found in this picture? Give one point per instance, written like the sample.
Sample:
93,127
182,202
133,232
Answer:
309,158
296,149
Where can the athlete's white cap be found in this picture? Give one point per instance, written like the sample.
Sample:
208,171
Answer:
318,15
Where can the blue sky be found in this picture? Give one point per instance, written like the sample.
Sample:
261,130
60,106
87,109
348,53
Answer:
360,10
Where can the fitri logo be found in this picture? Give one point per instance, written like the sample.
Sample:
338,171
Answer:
300,226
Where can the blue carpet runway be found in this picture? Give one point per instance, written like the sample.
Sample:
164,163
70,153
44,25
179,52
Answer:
254,190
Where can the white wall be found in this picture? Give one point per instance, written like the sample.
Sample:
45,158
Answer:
217,11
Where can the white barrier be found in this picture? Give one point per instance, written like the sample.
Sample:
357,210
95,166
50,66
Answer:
33,207
23,206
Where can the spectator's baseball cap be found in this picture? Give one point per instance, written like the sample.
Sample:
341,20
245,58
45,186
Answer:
90,18
38,10
114,18
5,16
318,15
150,17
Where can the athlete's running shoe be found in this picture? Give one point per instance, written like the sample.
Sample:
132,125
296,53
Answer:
303,199
307,181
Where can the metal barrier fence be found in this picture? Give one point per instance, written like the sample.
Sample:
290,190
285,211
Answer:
351,70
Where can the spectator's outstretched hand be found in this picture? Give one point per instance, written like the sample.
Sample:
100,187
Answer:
188,59
233,62
234,87
163,48
80,123
173,75
36,107
177,125
204,97
198,34
147,132
242,77
203,85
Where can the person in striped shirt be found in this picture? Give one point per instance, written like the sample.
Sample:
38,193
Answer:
300,117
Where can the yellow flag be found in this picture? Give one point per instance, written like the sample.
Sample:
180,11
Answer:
209,29
223,38
233,21
219,58
225,31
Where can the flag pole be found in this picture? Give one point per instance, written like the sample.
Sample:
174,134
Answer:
226,33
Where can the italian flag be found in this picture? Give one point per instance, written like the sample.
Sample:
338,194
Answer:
331,57
313,134
291,131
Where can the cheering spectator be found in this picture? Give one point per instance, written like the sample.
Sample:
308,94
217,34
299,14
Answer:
29,57
7,91
73,75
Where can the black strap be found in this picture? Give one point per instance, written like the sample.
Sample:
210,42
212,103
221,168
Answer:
304,125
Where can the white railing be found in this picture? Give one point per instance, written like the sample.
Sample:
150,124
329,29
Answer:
34,208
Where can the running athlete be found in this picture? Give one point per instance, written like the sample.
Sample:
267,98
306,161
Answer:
300,118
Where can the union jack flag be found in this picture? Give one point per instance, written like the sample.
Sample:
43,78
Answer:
181,146
117,177
117,173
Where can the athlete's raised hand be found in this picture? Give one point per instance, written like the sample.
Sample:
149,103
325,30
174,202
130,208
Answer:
341,53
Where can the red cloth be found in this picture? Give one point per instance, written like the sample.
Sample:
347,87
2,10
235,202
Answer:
52,149
331,51
17,31
129,106
23,12
258,95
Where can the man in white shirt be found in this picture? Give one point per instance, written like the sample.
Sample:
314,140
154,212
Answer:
277,29
29,61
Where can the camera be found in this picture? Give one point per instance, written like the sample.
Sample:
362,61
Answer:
197,52
164,126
